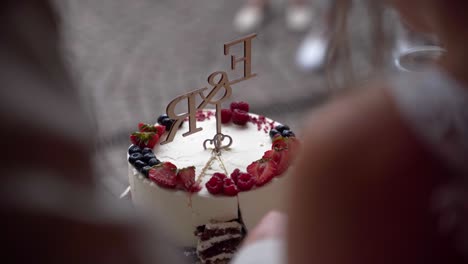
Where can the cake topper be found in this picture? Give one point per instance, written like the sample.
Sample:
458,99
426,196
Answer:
222,82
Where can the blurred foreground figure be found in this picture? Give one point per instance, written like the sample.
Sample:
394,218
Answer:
383,177
50,211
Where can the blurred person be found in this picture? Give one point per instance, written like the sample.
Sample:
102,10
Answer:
254,12
383,176
312,50
50,208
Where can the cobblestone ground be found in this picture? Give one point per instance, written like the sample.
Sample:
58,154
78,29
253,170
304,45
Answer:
131,57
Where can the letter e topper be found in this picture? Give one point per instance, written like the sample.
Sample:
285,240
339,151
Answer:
222,83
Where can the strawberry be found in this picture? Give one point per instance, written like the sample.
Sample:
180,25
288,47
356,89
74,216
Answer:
245,182
282,159
268,154
226,115
235,175
240,117
214,185
263,170
160,130
229,188
144,139
240,105
279,143
164,175
186,179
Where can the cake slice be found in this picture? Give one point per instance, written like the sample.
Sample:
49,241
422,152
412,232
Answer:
218,241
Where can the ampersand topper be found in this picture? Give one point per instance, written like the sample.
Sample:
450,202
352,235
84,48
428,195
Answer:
218,84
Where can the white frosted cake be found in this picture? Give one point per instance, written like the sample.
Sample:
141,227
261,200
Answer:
188,186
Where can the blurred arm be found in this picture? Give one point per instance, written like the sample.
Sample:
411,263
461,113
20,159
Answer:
361,193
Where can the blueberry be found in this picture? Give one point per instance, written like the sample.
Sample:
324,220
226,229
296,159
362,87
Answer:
154,162
134,157
148,156
161,118
273,133
281,128
134,149
146,151
145,170
139,165
167,122
287,133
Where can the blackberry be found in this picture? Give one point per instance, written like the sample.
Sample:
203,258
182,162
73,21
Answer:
134,149
281,128
161,118
134,157
273,133
167,122
145,171
287,133
154,162
146,151
148,156
139,165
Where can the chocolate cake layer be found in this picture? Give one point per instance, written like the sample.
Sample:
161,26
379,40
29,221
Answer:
226,246
210,233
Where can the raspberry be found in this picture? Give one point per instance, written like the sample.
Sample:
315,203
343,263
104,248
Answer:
240,117
240,105
229,188
245,182
235,175
226,115
220,176
214,185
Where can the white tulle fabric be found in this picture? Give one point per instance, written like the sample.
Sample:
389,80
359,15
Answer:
435,106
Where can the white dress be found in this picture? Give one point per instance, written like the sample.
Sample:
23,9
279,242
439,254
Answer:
435,107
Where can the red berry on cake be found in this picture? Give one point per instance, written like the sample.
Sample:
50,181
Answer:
245,182
164,175
240,105
186,179
282,159
226,115
220,176
235,175
214,185
240,117
268,154
229,188
160,130
280,143
144,139
263,171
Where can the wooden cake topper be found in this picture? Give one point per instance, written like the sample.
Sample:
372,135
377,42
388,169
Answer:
209,99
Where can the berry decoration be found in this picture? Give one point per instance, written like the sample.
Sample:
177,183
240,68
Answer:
214,185
240,117
240,106
164,175
226,115
229,188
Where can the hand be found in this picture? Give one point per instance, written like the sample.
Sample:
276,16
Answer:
272,226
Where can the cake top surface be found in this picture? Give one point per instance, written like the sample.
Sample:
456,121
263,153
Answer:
249,144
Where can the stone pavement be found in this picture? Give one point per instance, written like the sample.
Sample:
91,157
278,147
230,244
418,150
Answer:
131,57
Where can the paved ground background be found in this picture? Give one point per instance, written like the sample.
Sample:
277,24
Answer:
131,57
